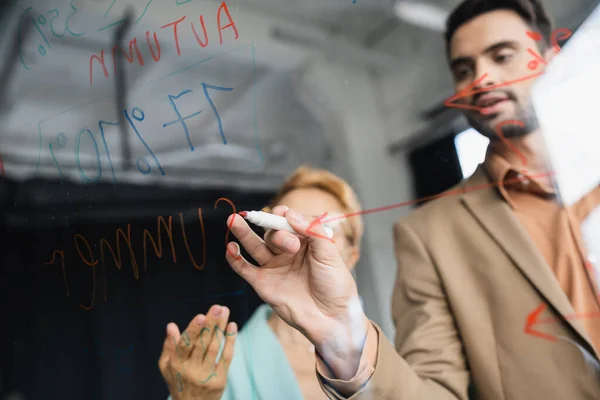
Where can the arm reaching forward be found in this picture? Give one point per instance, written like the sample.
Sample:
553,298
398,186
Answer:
304,279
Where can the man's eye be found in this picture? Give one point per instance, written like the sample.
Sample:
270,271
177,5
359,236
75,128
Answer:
461,73
502,58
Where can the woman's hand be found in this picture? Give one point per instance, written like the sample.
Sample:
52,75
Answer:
190,362
305,280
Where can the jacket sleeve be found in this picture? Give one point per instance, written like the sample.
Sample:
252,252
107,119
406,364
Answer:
428,361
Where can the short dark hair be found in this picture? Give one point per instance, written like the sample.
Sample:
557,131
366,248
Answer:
532,12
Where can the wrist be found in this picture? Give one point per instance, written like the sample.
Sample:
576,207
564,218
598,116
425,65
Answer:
343,343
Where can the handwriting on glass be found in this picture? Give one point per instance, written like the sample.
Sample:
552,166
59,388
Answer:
87,256
135,119
48,21
51,24
133,44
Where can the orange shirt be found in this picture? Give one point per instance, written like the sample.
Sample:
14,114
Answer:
556,232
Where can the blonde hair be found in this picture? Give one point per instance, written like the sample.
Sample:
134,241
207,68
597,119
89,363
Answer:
307,177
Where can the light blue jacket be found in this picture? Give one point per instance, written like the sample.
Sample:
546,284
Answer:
260,369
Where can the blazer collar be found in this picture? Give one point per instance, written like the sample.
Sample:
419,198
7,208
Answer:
482,199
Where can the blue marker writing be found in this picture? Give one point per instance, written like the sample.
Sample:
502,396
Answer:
179,119
140,117
212,105
61,141
98,165
102,135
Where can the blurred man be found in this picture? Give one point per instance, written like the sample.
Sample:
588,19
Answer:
494,298
493,290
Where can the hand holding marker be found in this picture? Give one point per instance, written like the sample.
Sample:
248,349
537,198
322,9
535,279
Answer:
271,221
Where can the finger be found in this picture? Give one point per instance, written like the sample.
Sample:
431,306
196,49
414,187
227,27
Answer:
215,317
226,355
321,247
279,210
168,348
240,265
187,340
199,342
253,243
214,314
217,321
173,331
304,227
280,242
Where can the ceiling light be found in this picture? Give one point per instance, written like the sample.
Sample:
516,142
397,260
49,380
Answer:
425,15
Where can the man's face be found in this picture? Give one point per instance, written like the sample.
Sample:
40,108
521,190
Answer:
495,44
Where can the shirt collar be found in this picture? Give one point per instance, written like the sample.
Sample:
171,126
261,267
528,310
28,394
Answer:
511,177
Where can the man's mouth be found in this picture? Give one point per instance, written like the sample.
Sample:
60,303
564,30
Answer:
491,104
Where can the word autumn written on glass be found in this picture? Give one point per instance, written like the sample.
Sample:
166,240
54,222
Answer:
51,25
133,44
89,259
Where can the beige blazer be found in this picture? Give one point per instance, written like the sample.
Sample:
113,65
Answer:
469,287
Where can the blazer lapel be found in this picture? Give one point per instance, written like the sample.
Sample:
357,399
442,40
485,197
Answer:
496,216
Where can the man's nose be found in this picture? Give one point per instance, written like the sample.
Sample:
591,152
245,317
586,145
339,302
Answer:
485,76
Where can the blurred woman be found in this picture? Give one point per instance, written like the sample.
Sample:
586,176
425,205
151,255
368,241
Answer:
270,359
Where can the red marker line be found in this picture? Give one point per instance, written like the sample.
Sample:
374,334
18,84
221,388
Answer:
537,58
468,92
463,93
314,222
533,320
588,315
2,173
432,197
534,35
